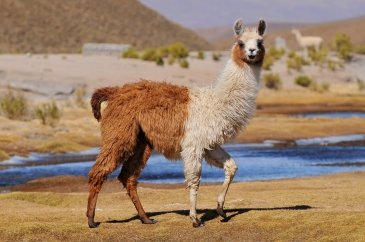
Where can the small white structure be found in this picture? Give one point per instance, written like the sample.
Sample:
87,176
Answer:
104,49
307,41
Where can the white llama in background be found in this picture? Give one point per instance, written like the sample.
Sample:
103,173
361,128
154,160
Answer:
306,42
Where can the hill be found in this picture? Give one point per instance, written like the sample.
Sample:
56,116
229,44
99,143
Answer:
41,26
352,27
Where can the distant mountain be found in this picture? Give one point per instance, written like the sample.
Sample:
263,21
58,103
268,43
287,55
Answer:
55,26
222,39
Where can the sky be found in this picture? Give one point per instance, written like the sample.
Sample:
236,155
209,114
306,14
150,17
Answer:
212,13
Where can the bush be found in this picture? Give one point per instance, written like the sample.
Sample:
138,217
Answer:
48,113
343,46
80,94
360,50
171,60
164,52
4,155
178,50
318,56
184,63
296,62
272,81
159,61
360,85
149,55
201,55
14,106
216,56
268,62
275,53
130,53
303,81
324,87
332,65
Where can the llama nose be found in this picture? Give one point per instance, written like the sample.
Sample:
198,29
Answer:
251,50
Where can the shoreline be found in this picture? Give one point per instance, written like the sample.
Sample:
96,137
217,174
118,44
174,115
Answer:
77,184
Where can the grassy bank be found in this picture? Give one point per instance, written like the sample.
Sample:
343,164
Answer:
328,208
77,129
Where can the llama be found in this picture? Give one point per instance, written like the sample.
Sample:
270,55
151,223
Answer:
180,123
306,42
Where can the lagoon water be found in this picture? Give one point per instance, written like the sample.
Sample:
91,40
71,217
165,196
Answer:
334,115
255,162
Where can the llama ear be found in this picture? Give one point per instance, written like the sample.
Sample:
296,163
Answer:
261,28
238,27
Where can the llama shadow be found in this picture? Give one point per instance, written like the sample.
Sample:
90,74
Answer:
210,214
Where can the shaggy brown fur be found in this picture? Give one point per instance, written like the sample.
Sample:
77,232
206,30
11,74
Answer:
139,117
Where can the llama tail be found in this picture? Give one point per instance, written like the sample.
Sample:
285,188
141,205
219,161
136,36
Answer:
99,96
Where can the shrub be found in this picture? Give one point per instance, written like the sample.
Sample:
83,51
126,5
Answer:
275,53
184,63
332,65
164,51
171,60
303,81
130,53
216,56
360,84
149,55
48,113
318,56
201,55
272,81
324,87
159,61
268,62
296,62
360,50
80,94
178,50
343,46
14,106
4,155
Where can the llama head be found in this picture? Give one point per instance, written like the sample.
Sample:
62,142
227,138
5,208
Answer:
249,47
295,31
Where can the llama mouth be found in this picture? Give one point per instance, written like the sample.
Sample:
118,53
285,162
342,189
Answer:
251,57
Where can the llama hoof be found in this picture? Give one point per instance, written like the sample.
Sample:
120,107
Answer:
197,223
148,221
92,224
221,212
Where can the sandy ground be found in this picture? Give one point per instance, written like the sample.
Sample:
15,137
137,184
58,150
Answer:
328,208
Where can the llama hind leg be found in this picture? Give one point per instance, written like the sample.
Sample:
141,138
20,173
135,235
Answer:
129,174
108,160
220,158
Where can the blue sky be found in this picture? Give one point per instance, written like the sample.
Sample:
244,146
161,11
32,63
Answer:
211,13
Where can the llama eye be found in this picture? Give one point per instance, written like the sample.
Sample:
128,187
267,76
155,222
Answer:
241,44
259,43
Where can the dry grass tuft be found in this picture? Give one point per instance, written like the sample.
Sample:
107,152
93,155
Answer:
60,146
3,155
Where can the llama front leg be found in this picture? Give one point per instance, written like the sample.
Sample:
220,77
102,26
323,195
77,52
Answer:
192,176
220,158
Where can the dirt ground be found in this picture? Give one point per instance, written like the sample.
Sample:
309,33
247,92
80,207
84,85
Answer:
328,208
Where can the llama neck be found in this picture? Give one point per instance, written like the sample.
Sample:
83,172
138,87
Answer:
237,89
236,83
